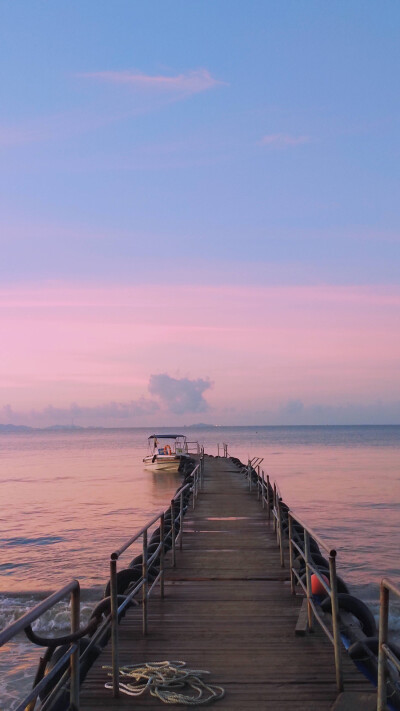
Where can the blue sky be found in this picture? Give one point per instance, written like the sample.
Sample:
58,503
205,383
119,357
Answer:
202,143
96,174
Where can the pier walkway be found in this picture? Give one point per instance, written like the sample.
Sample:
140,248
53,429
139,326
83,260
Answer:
228,609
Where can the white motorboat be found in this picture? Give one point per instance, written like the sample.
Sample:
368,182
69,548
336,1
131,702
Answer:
166,451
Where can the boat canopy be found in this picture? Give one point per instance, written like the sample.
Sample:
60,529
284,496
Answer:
166,436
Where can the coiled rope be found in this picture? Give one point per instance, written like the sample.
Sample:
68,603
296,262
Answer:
162,679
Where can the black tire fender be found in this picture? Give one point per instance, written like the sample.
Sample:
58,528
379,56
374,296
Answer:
124,578
357,608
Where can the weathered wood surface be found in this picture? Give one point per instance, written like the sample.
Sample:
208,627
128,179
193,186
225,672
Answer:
228,609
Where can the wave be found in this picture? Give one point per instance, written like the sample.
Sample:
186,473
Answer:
19,657
24,541
14,605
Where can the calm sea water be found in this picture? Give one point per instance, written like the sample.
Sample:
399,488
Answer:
69,498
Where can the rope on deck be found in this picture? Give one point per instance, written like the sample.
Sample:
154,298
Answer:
162,679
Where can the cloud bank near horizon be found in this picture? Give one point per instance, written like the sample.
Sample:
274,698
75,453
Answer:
176,396
275,355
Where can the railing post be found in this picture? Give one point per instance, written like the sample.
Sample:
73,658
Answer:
292,582
173,534
335,620
145,583
162,534
308,578
75,623
274,500
383,639
263,490
180,520
258,482
269,498
114,626
218,449
249,474
280,536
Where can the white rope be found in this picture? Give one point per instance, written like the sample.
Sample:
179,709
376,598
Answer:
163,679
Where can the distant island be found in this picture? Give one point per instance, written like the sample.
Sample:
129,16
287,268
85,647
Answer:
74,428
25,428
199,426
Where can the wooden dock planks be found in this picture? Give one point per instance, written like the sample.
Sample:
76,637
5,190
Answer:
228,609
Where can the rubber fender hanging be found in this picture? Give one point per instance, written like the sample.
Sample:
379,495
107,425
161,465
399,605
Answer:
314,547
168,543
62,703
317,560
372,643
341,585
152,548
357,608
151,574
124,577
103,608
365,654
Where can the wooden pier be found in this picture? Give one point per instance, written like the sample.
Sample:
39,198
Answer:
228,609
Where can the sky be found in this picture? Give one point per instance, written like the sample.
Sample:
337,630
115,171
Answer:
199,212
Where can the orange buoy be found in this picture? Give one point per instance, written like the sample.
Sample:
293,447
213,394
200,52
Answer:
316,586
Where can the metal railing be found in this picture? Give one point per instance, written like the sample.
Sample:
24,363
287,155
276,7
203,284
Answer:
299,543
385,654
223,447
24,623
193,447
176,531
98,628
297,537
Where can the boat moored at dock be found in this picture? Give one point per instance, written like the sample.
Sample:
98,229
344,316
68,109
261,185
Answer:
166,452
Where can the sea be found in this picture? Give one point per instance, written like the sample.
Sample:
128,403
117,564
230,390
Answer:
71,497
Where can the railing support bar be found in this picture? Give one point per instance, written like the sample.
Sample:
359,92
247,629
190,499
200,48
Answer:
263,490
335,621
114,626
173,534
180,520
162,567
307,557
145,583
75,623
383,639
292,588
280,534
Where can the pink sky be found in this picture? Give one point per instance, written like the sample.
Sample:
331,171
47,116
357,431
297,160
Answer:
268,352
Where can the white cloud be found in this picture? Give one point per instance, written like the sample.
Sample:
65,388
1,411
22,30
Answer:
191,82
180,396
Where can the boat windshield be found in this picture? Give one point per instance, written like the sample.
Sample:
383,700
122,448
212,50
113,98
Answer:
167,444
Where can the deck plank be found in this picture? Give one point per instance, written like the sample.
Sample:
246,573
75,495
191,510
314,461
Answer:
228,609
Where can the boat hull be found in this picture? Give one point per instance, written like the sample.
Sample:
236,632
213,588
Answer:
162,462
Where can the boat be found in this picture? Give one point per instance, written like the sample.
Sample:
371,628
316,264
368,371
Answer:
166,452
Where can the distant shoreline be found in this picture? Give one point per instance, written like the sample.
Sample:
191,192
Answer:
10,429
